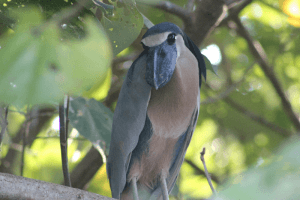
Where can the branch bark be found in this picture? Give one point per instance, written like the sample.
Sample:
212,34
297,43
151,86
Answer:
257,118
259,54
9,162
176,10
86,169
16,187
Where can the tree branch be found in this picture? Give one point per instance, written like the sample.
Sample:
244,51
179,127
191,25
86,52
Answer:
16,187
64,144
259,54
257,118
3,124
207,16
10,162
175,10
86,169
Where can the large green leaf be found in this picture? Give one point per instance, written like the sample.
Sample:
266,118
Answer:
92,120
37,68
124,26
279,180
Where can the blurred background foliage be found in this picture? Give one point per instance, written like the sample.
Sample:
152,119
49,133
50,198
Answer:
242,119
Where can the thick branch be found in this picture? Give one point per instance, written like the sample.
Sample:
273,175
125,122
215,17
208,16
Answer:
16,187
175,10
208,15
259,54
86,169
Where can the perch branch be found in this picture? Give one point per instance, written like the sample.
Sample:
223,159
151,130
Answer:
16,187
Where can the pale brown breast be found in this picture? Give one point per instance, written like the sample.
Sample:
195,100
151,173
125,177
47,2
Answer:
170,108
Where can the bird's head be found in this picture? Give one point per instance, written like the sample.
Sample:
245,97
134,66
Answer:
163,44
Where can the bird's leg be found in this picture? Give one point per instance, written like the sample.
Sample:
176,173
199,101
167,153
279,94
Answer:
134,189
164,188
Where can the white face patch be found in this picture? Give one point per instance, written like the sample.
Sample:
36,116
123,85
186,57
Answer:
180,46
154,40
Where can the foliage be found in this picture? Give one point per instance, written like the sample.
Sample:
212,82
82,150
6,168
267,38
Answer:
276,181
52,48
93,120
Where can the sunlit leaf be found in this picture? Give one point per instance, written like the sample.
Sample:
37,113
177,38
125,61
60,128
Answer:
100,90
37,68
92,120
124,26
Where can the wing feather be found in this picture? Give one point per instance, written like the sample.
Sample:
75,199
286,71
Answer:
128,122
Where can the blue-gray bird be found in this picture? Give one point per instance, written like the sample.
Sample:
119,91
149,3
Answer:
156,115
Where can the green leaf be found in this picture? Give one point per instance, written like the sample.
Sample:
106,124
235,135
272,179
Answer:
209,66
124,26
92,120
279,180
37,68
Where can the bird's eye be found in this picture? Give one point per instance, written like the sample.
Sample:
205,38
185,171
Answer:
144,46
171,38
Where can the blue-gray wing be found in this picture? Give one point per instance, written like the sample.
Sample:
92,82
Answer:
128,122
180,151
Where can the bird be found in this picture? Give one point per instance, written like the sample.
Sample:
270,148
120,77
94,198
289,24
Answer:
155,116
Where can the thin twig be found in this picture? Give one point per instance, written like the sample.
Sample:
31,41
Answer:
234,9
12,156
64,145
24,137
206,172
67,116
258,52
200,171
4,124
